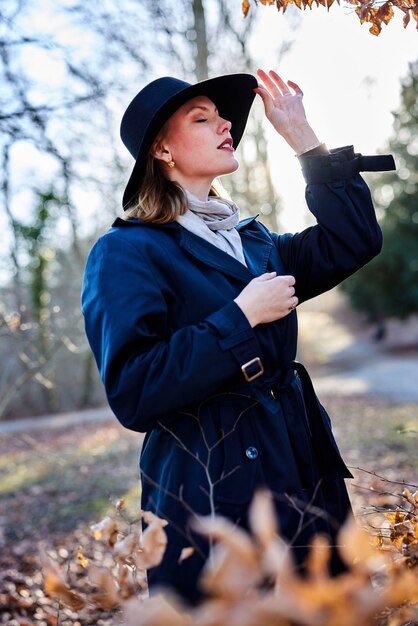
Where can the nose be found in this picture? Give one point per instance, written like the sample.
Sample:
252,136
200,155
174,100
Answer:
224,125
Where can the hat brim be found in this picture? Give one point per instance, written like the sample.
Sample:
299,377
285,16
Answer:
233,95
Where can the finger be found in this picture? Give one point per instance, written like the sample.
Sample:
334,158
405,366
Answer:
266,276
269,83
296,88
280,82
265,96
289,279
293,302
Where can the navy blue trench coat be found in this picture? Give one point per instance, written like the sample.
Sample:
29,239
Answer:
224,406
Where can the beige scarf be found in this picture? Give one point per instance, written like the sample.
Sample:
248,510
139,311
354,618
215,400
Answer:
214,220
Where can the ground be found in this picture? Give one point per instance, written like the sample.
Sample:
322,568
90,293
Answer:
54,484
56,481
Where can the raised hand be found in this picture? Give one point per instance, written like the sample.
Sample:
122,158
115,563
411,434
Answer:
285,110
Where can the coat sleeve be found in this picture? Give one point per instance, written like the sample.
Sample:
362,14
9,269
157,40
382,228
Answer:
148,373
347,234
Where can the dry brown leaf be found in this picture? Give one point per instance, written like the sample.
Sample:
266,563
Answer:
348,600
394,517
356,548
127,582
126,547
251,611
245,7
13,321
214,612
277,560
404,616
287,608
262,517
149,517
106,530
276,557
376,28
119,505
185,554
155,611
153,542
402,587
227,575
56,586
404,529
82,560
407,495
233,567
102,578
317,563
221,529
331,2
385,12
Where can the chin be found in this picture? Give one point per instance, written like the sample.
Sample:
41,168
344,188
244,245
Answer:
229,169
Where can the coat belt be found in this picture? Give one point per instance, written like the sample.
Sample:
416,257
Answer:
328,458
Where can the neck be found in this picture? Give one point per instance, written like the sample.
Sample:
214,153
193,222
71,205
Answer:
201,193
199,188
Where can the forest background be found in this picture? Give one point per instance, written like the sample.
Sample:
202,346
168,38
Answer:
68,69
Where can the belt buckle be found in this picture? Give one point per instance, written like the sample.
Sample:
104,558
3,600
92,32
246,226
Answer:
260,372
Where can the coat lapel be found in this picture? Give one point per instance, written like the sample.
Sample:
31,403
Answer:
215,257
255,245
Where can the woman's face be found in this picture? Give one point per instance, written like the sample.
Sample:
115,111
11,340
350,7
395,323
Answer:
198,140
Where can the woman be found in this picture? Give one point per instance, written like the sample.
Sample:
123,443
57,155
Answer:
191,315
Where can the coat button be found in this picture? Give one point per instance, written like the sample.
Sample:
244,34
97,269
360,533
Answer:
251,453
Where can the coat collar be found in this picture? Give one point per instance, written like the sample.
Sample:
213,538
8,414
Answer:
255,243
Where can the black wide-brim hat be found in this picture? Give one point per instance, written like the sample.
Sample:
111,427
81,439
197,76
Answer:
232,94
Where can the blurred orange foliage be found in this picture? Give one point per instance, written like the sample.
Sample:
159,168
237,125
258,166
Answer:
379,583
371,11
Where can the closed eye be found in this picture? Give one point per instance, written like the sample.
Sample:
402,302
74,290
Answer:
202,120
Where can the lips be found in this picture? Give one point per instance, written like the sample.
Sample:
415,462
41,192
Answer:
227,144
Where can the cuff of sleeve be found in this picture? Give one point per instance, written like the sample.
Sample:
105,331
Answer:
232,325
341,164
239,337
321,149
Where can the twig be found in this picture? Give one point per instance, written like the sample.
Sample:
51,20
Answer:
386,480
206,464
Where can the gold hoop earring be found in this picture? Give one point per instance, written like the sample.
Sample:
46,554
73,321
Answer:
171,164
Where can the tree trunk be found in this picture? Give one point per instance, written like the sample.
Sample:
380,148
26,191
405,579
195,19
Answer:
202,53
85,399
14,243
